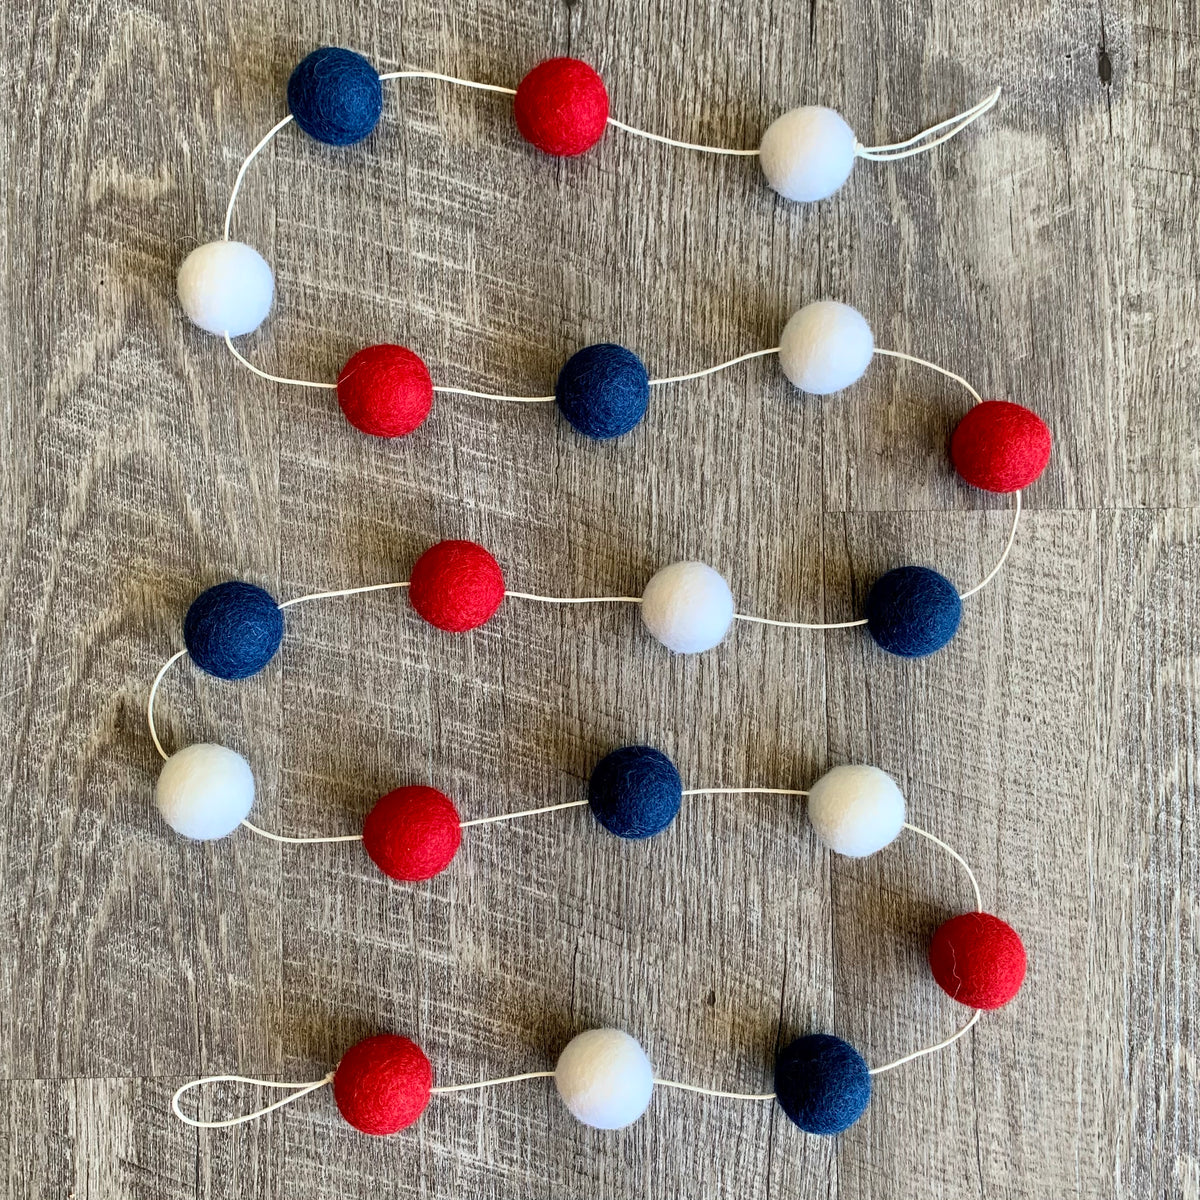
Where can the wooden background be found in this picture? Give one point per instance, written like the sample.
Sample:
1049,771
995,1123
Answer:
1051,255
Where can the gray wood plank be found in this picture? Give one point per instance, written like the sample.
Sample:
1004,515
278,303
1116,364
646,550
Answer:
1050,255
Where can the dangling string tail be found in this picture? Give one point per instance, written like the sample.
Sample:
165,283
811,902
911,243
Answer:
919,143
298,1091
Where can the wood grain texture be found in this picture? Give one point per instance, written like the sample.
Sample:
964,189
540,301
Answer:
1052,255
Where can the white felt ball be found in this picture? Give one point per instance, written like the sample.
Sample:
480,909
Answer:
688,607
604,1078
807,154
825,347
856,810
226,287
205,791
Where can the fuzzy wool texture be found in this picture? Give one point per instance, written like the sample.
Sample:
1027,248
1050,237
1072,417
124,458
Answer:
456,585
1000,446
978,960
233,630
635,792
335,96
226,288
913,611
385,391
822,1083
603,391
412,833
561,107
205,791
604,1078
807,154
856,810
826,346
688,607
383,1084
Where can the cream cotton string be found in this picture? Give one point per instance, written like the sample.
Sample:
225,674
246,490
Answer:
335,96
917,144
604,1077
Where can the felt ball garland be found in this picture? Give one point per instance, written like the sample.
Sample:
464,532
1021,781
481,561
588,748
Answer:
234,629
604,1076
413,833
561,106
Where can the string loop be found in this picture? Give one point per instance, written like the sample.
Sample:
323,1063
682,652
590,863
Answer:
298,1091
919,143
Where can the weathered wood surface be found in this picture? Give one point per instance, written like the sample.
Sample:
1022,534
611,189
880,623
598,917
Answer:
1051,254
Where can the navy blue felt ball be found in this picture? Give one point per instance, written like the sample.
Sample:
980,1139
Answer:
233,630
913,611
822,1083
603,391
635,792
335,96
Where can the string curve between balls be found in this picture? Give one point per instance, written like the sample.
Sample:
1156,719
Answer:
300,1089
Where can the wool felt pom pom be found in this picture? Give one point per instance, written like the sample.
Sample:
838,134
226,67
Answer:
561,107
825,347
603,391
456,586
1000,446
688,607
913,611
412,833
385,391
383,1084
822,1083
807,154
205,791
232,630
856,810
978,960
604,1078
335,96
226,287
635,792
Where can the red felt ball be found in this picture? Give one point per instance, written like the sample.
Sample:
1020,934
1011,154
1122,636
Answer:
1000,446
456,586
561,107
978,960
412,833
385,391
383,1084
